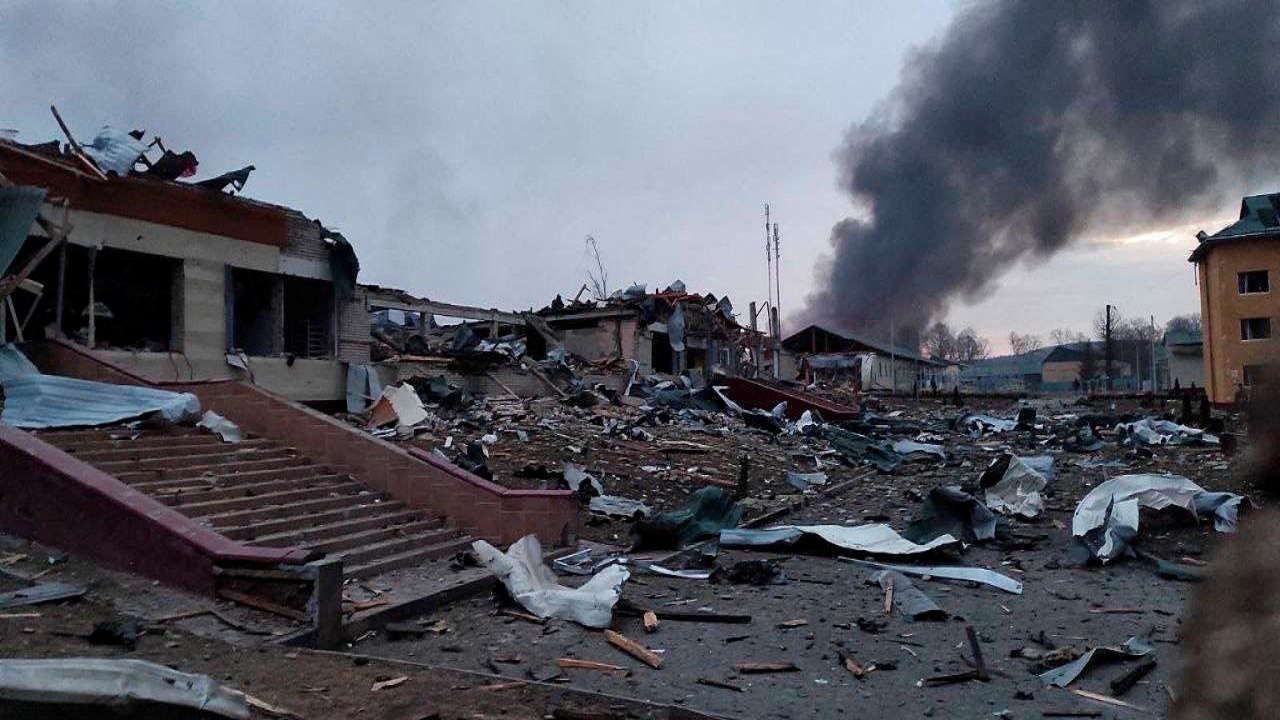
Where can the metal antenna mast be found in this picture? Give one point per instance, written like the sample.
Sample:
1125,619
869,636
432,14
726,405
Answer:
768,256
777,277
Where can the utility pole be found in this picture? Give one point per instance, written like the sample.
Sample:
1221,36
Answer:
1107,349
777,278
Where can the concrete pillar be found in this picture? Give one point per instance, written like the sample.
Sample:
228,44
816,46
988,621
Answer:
326,602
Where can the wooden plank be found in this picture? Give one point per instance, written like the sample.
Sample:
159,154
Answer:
750,668
634,649
577,664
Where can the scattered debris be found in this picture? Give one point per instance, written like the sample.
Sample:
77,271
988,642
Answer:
831,539
532,584
1107,518
1066,674
121,685
633,648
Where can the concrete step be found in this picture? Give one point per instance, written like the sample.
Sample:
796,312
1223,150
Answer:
172,451
296,473
408,559
313,520
271,500
398,540
221,456
222,470
56,437
302,508
146,442
180,496
320,534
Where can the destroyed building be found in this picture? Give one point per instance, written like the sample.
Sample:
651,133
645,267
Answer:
1237,307
179,281
818,353
667,332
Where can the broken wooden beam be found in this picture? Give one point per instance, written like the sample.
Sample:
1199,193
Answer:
755,668
634,649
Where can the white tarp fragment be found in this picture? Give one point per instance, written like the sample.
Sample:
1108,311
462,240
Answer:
950,572
1018,492
115,686
617,506
1107,518
804,481
1152,431
982,424
532,584
911,451
229,431
874,539
34,400
575,475
115,151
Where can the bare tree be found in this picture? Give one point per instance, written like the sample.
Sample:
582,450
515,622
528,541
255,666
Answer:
1184,323
1066,336
1020,344
969,346
939,342
599,278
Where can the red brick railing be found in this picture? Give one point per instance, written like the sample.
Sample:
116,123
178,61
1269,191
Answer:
472,504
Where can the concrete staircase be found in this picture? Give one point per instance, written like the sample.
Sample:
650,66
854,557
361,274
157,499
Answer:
262,493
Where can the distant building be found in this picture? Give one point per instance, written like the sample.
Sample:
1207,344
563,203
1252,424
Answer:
1235,267
1184,358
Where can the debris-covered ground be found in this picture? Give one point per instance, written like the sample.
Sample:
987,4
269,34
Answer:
825,617
781,631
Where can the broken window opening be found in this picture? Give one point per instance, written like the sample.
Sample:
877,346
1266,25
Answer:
308,318
1255,328
136,296
254,309
661,357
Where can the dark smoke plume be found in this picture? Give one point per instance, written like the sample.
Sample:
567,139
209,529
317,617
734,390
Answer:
1030,123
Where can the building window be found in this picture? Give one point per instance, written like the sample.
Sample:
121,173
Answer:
1254,281
1255,328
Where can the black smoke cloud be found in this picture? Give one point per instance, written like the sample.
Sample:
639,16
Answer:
1031,123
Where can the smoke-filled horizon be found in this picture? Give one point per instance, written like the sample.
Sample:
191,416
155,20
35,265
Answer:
1029,125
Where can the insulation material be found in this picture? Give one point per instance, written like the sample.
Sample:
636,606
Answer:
532,584
115,151
399,404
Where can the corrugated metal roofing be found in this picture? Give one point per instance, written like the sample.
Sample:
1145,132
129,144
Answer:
34,400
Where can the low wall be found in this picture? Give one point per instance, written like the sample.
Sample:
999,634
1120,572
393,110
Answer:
477,506
51,497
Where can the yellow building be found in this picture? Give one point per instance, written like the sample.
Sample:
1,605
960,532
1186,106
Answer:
1235,267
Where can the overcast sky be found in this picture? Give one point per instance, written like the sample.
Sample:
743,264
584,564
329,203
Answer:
467,148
